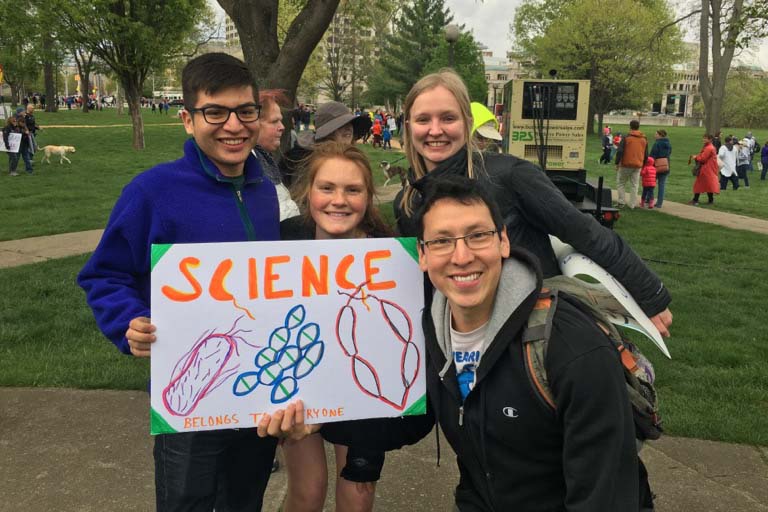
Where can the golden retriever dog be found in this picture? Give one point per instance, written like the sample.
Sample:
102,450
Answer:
61,151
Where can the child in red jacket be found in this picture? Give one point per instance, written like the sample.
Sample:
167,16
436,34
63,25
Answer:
648,175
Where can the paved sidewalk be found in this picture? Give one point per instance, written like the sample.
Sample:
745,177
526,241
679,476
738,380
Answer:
90,451
42,248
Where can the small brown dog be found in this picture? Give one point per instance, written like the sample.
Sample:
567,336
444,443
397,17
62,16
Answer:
59,151
391,172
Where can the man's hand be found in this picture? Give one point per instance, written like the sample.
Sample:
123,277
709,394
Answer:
140,336
662,321
286,423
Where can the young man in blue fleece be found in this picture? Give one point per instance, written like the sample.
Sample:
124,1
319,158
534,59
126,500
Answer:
216,192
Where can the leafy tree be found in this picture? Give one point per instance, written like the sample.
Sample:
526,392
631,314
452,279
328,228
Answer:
627,66
18,53
724,26
531,21
312,77
746,101
468,63
51,49
132,38
418,31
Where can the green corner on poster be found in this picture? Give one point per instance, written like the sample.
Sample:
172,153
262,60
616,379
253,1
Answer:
158,251
158,425
409,244
418,407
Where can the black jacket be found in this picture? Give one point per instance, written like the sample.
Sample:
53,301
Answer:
513,452
31,123
533,208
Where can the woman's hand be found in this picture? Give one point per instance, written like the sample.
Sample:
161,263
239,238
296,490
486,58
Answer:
662,321
287,423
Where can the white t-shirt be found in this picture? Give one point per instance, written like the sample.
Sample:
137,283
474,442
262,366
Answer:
729,160
467,351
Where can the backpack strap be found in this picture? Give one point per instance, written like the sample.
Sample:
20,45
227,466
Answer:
598,304
535,340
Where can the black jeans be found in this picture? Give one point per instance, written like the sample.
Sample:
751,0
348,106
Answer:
742,171
733,178
223,469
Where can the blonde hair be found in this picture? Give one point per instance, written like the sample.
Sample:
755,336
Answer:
449,79
372,222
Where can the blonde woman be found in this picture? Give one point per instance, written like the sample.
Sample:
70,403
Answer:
436,133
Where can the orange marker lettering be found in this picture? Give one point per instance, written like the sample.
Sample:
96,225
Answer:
341,272
253,279
217,288
311,278
371,271
270,277
179,296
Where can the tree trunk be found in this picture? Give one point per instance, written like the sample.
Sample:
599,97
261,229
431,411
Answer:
119,99
49,77
256,23
723,47
132,89
85,84
14,95
600,123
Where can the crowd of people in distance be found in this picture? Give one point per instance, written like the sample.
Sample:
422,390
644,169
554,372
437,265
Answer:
716,165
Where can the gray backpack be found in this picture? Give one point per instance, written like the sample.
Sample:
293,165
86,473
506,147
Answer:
597,303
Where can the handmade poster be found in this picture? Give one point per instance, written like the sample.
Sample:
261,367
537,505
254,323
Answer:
575,264
246,328
14,140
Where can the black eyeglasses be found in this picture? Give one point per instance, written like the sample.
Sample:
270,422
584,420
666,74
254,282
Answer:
217,114
447,244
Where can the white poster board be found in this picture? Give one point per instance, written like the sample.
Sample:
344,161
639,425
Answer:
14,139
575,264
246,328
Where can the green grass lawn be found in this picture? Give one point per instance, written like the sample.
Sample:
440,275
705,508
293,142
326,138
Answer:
66,198
77,197
715,387
686,141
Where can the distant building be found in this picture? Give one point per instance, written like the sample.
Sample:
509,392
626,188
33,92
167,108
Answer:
680,95
500,71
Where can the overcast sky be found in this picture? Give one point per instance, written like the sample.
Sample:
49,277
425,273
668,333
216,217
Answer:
489,21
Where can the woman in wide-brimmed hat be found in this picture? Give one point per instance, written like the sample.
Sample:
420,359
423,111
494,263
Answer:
333,121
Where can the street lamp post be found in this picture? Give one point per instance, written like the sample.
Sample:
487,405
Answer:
451,36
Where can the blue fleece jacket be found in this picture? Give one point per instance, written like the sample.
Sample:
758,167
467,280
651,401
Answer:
185,201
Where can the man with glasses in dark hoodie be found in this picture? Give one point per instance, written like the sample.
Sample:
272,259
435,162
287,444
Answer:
513,451
217,192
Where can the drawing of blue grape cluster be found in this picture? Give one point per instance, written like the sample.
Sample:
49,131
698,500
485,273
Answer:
294,350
